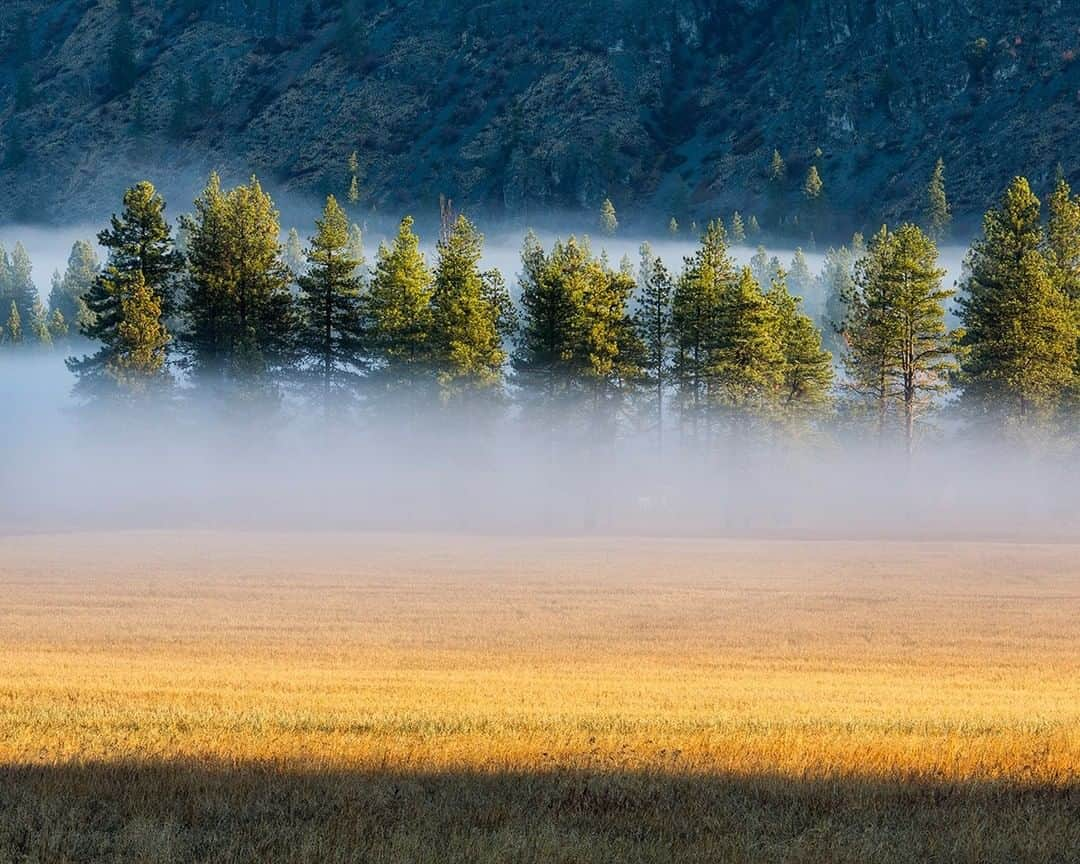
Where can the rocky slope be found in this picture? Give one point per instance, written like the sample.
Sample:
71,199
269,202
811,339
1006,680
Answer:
670,107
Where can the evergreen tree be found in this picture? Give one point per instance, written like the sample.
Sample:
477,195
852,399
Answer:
139,280
872,331
354,178
807,367
777,172
545,345
738,229
764,269
653,321
399,309
812,186
1020,326
238,309
838,281
938,212
899,348
294,254
695,318
925,347
13,326
58,326
1063,254
21,289
138,362
332,327
673,227
753,229
465,322
609,223
356,249
747,362
39,322
800,280
68,292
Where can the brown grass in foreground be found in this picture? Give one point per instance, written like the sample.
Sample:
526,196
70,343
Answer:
318,698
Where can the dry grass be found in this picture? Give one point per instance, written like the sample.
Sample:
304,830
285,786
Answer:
206,697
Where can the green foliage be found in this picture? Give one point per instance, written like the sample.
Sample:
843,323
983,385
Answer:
467,341
807,367
938,212
609,223
812,186
399,309
68,292
331,324
139,280
13,326
899,351
838,283
1020,325
738,229
695,316
237,310
777,171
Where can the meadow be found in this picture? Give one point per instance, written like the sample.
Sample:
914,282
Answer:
255,697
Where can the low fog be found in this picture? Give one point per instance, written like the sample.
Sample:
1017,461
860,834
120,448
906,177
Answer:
193,465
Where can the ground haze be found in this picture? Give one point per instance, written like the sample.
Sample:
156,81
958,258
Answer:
310,697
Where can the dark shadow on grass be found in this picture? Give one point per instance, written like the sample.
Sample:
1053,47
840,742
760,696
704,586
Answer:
198,812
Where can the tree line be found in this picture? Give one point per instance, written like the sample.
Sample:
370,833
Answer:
219,305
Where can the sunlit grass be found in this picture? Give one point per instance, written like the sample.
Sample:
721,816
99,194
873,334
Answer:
838,688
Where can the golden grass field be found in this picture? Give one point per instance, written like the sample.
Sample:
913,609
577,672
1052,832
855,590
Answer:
232,697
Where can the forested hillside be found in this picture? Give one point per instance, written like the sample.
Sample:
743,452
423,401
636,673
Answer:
671,108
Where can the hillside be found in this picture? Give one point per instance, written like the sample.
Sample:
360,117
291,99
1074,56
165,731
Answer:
510,106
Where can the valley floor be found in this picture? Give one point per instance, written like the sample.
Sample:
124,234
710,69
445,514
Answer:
242,697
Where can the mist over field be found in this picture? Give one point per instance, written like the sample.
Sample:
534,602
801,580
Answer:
197,465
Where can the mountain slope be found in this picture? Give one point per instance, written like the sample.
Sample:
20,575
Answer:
670,108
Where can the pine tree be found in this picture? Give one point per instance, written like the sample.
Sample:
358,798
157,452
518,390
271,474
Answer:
68,291
695,317
332,326
872,331
807,367
753,229
138,363
545,345
238,309
39,322
653,322
838,281
13,326
1020,330
764,269
748,361
738,229
356,249
399,309
926,348
1063,254
799,279
938,212
142,261
609,223
465,322
354,178
673,227
777,169
58,326
813,187
294,254
21,289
